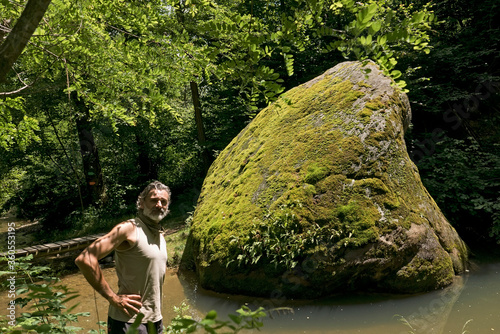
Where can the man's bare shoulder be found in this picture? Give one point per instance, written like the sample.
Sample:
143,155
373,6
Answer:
124,229
126,225
123,234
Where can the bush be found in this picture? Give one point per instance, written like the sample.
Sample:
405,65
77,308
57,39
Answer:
44,297
464,180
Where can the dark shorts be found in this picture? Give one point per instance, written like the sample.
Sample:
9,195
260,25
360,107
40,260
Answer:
120,327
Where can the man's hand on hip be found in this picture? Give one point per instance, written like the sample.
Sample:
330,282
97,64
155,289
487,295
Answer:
129,304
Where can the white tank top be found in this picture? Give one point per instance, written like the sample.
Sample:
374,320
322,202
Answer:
141,270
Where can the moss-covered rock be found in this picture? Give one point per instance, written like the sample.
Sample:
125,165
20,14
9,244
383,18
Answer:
317,195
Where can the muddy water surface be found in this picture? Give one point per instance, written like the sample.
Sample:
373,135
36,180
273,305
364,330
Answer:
473,299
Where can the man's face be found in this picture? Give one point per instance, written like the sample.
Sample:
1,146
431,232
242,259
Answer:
155,205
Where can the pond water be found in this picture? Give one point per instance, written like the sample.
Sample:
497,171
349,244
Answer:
473,300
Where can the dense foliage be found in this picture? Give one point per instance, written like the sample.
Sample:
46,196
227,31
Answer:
455,134
100,101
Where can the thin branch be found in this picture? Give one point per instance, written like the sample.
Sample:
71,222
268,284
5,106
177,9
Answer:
14,92
60,35
15,3
123,31
67,79
59,167
19,90
33,90
67,158
45,50
19,77
5,28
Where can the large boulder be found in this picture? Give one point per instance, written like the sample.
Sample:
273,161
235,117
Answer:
317,195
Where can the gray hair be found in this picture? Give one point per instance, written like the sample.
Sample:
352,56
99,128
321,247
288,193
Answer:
153,185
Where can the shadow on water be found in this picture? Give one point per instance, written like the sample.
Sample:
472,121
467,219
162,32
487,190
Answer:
425,313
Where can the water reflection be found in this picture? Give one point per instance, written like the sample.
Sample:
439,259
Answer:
475,296
426,313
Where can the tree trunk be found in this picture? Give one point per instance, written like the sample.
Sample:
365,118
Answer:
21,34
90,154
148,168
199,126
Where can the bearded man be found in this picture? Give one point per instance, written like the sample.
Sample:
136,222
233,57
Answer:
140,257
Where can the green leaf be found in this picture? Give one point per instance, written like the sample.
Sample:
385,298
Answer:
368,39
236,319
375,26
367,13
382,40
395,74
211,315
418,17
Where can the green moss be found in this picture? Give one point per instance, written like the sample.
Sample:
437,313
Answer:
363,84
375,104
315,173
359,222
309,190
348,214
434,273
373,185
351,152
379,136
412,218
391,203
365,114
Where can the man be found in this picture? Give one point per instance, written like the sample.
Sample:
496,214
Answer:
140,257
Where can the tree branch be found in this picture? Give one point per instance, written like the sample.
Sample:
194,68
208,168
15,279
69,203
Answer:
26,85
17,39
14,92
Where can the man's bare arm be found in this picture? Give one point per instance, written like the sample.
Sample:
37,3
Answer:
122,235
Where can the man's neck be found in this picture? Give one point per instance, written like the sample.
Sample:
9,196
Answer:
150,223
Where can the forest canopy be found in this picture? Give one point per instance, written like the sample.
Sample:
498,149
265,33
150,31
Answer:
106,96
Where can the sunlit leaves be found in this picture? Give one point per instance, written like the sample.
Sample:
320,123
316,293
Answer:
244,319
289,63
127,59
366,14
114,55
382,32
16,128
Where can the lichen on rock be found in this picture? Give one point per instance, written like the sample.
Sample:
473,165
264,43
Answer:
317,195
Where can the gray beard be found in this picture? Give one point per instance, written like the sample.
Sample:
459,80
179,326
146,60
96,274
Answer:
156,217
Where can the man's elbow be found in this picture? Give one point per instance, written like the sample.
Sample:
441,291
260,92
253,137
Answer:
80,260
